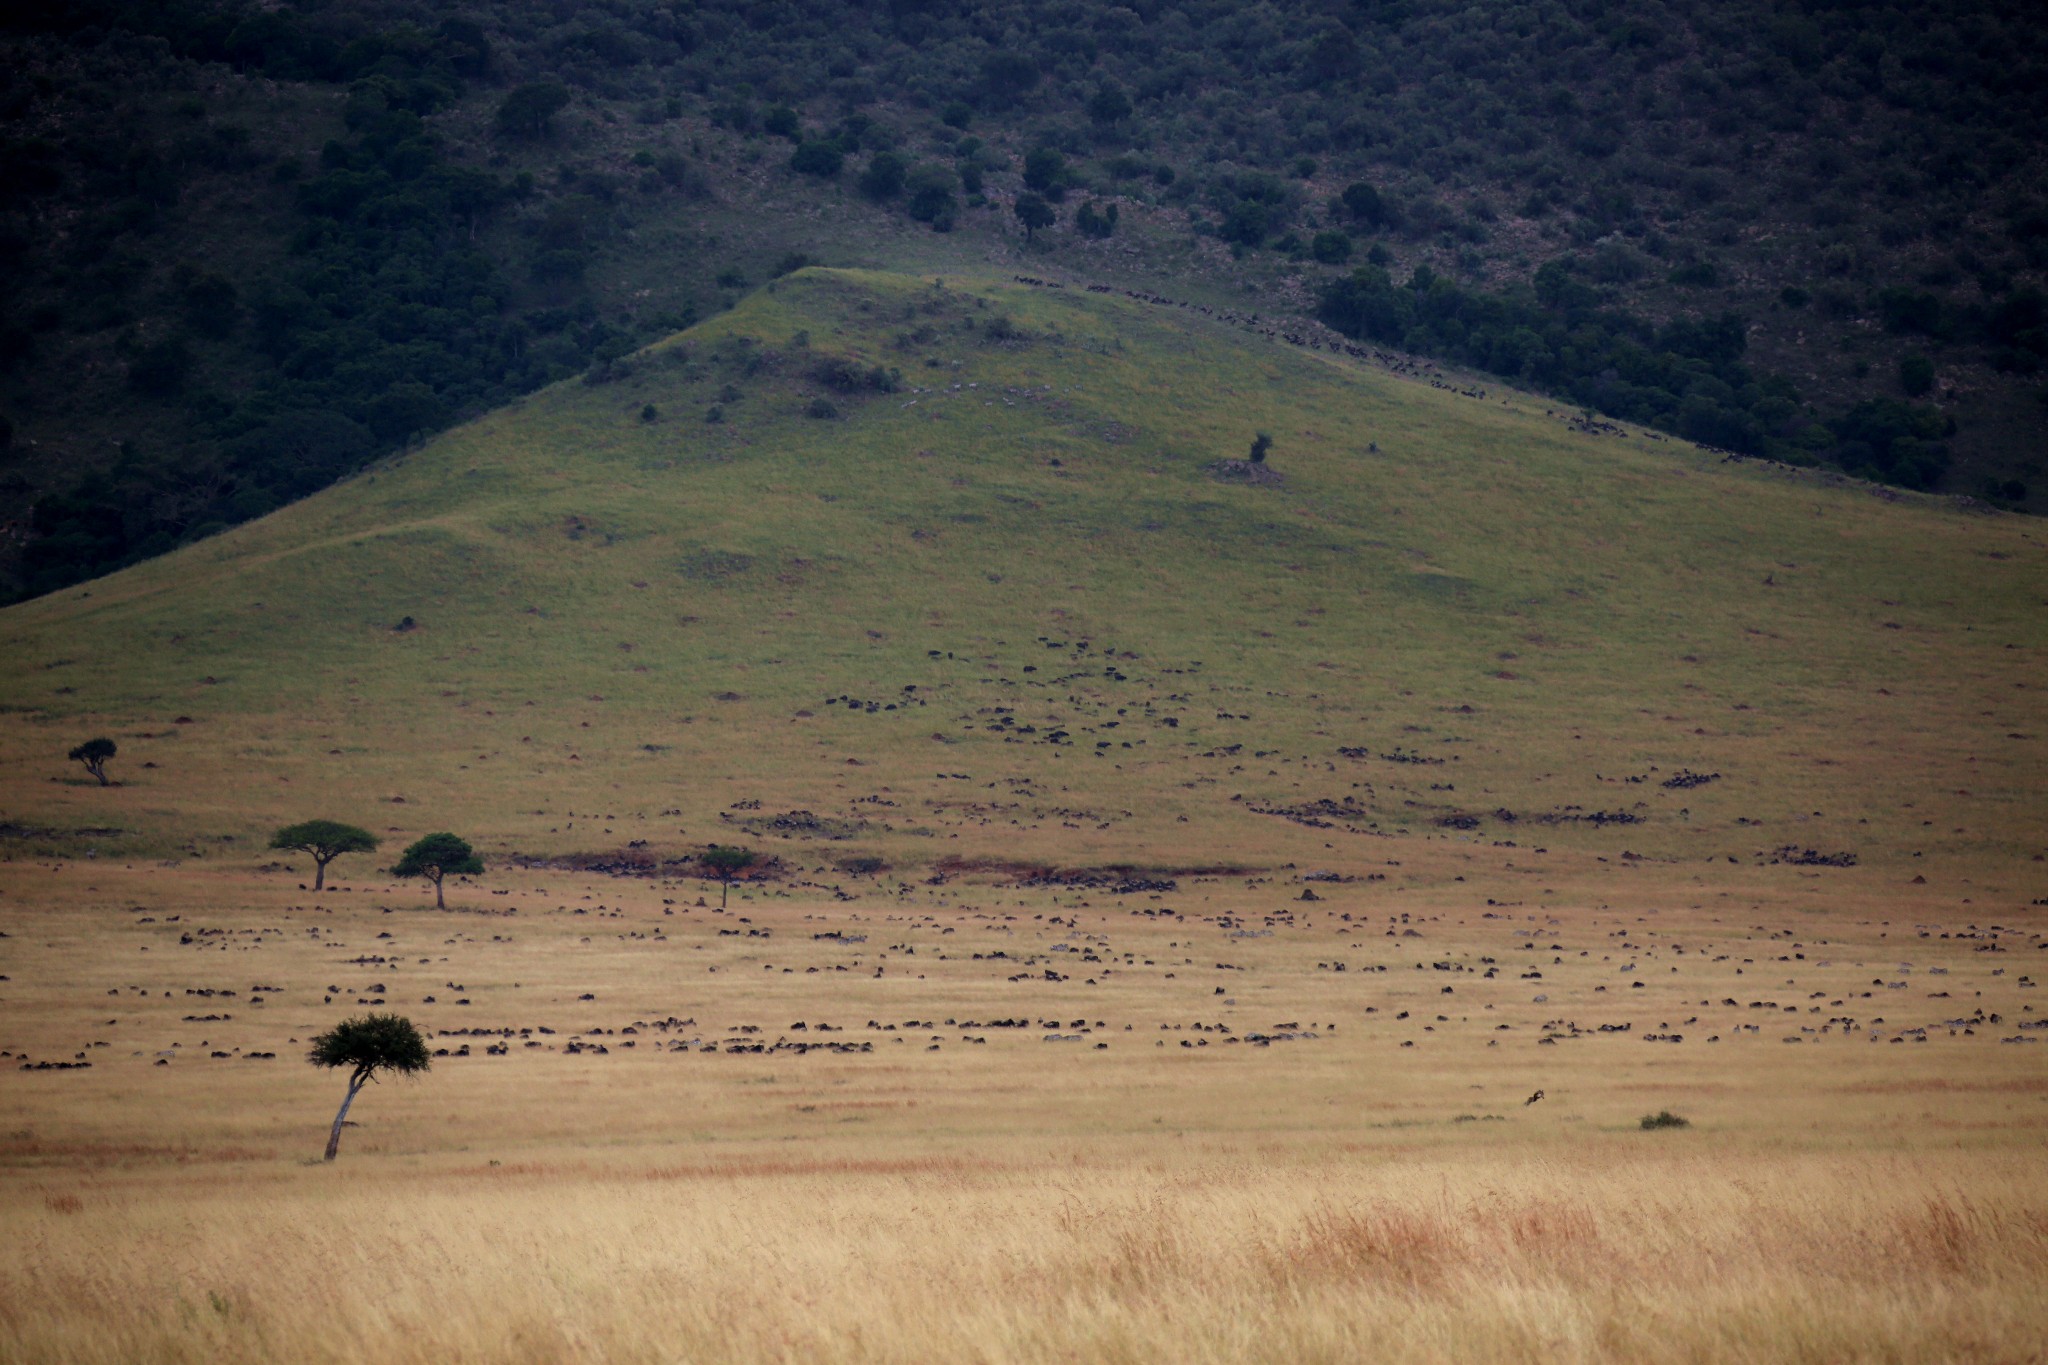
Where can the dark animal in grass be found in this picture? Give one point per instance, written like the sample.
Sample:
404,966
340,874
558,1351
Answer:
1532,1099
366,1046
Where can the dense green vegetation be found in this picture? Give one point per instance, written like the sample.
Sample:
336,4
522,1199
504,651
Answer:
1686,376
249,249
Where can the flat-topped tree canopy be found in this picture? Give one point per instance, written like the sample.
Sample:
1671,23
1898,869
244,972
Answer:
435,857
725,862
366,1046
323,841
94,754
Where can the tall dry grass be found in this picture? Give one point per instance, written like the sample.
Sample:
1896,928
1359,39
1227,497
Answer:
1110,1253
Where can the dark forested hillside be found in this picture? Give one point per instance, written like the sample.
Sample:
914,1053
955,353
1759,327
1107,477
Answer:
249,248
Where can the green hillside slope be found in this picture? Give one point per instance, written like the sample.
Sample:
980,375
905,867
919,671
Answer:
919,570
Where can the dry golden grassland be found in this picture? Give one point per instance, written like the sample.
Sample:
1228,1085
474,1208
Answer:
1204,1143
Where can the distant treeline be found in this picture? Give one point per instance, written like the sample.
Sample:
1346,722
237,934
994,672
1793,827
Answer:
383,318
1686,376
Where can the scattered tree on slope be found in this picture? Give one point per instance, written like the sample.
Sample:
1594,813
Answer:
323,841
436,857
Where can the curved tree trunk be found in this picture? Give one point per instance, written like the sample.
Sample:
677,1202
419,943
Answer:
439,903
334,1136
319,872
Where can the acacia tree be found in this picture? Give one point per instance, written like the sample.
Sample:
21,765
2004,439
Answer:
373,1043
436,856
323,841
726,862
94,754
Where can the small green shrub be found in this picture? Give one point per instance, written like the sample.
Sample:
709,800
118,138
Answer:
1664,1118
1331,248
1916,375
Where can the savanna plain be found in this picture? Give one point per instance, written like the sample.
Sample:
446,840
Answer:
1203,916
962,1123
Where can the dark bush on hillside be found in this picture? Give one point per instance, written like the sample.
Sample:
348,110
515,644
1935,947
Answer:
844,375
930,196
1246,223
1045,172
1096,223
1664,1118
1907,311
408,409
735,114
1109,105
884,176
821,159
1007,75
212,306
1365,205
528,110
1916,375
300,450
1254,206
1892,442
160,369
1034,213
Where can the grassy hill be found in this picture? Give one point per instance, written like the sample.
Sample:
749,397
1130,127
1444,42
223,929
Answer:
927,570
251,248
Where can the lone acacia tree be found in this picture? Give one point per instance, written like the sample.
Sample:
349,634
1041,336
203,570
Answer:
366,1046
434,857
323,841
94,754
726,862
